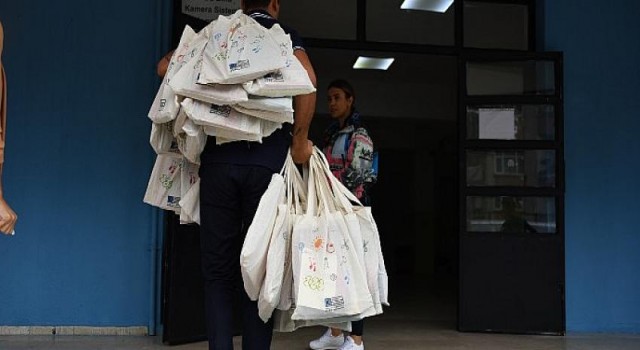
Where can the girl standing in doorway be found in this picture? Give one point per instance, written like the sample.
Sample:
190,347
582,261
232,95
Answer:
349,150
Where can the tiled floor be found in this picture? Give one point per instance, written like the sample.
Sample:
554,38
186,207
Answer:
411,323
399,336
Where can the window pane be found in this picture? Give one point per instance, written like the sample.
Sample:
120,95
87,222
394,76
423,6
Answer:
510,78
530,122
386,22
511,168
511,214
320,19
496,26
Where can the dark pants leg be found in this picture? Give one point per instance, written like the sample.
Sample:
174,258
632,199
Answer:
357,328
229,197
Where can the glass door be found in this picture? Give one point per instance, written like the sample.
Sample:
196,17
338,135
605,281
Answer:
511,193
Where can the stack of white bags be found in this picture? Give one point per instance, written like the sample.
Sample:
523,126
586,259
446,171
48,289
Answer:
233,80
312,254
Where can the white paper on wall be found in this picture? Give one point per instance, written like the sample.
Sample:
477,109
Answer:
497,123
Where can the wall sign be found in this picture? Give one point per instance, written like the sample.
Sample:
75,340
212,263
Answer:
209,10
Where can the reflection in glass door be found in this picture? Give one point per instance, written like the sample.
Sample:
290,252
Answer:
511,194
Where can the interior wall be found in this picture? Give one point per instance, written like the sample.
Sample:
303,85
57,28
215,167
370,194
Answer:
416,86
81,78
416,180
602,80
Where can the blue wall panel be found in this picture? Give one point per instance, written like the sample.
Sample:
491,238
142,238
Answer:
81,78
602,124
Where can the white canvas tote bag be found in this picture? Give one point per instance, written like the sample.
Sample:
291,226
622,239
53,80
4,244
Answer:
162,140
371,250
275,104
279,253
165,106
185,83
240,50
329,279
291,80
267,128
223,117
278,117
225,136
190,205
192,141
164,187
253,256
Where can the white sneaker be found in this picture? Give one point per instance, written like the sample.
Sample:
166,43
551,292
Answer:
327,341
349,344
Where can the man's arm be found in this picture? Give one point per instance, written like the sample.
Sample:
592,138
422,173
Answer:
304,108
8,217
1,40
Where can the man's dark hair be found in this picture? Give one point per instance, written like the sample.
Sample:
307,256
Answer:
344,86
256,4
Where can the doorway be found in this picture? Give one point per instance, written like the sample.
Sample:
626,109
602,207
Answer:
410,113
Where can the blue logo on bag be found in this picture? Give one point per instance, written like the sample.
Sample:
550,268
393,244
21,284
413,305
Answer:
334,303
173,201
374,166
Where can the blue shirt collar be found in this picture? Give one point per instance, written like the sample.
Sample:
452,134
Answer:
259,13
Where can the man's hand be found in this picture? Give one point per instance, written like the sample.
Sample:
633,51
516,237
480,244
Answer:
301,151
163,64
8,218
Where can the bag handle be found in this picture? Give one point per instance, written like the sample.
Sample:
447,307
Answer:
339,199
323,185
340,190
295,189
312,196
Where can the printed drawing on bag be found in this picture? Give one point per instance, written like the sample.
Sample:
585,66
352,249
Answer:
313,266
314,283
257,43
330,248
166,181
347,279
345,245
318,243
284,51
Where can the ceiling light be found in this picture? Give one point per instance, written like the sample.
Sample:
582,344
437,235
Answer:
427,5
373,63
